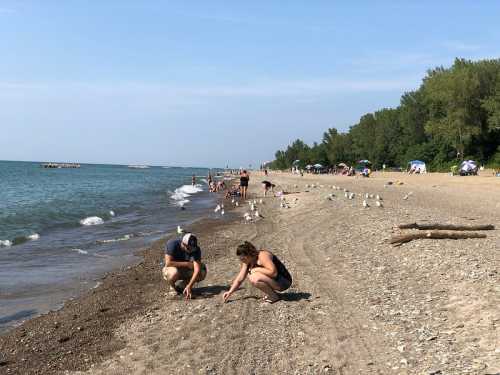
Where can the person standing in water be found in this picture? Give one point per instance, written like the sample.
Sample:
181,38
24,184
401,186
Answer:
264,270
193,180
244,178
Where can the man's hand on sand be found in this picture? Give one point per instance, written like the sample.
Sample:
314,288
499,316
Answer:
226,296
187,292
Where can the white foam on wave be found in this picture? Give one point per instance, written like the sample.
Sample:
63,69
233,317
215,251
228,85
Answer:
112,213
5,243
80,251
91,220
181,194
124,238
34,237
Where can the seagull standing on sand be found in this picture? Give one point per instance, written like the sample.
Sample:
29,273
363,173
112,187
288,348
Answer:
379,204
180,230
365,204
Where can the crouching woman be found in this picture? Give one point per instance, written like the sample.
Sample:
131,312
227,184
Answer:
264,270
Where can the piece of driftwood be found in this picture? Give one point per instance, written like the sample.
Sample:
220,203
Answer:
438,226
399,240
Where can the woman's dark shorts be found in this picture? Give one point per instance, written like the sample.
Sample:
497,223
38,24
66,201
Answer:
283,282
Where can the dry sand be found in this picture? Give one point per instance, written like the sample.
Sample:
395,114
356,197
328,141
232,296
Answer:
357,305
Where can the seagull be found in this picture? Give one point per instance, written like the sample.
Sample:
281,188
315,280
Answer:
222,205
222,212
218,208
236,204
371,196
405,197
377,197
252,207
247,216
365,204
367,195
261,201
346,195
379,204
256,214
180,230
351,196
255,201
232,201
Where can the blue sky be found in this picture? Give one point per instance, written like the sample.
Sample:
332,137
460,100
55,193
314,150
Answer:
213,82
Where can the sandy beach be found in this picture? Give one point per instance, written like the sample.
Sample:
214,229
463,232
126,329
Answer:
358,305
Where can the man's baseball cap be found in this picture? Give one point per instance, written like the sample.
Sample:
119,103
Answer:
190,241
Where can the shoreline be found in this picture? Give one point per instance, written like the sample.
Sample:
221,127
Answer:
81,331
356,305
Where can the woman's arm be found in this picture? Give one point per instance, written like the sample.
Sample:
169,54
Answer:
237,281
267,266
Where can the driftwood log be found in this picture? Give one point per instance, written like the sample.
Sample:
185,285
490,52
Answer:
399,240
438,226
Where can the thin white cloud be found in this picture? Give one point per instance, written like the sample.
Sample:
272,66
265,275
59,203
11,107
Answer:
292,88
461,46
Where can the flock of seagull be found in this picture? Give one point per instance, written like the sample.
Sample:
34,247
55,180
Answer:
254,214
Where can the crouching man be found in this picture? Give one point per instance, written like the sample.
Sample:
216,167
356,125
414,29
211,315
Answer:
183,262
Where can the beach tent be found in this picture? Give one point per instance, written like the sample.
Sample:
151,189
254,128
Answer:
364,161
417,166
468,167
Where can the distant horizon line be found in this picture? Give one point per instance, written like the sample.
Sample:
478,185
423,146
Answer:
114,164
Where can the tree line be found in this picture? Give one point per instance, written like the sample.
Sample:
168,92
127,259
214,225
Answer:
454,115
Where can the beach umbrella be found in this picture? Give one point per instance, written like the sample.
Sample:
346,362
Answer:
318,166
364,161
296,162
309,166
343,165
468,165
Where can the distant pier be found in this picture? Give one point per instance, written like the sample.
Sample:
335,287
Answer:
60,165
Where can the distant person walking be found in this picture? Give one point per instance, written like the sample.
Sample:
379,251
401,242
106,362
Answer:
244,178
183,262
264,270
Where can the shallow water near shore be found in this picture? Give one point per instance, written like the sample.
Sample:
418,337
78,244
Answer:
61,229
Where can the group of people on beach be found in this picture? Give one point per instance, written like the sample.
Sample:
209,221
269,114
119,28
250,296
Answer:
184,268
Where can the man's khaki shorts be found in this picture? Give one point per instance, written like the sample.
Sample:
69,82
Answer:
183,273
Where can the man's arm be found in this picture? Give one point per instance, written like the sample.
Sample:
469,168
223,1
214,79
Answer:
169,262
196,271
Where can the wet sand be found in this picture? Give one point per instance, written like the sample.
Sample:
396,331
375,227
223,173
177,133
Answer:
357,304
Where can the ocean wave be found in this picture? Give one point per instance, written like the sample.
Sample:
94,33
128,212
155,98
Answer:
5,243
124,238
91,220
19,240
80,251
34,237
180,195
